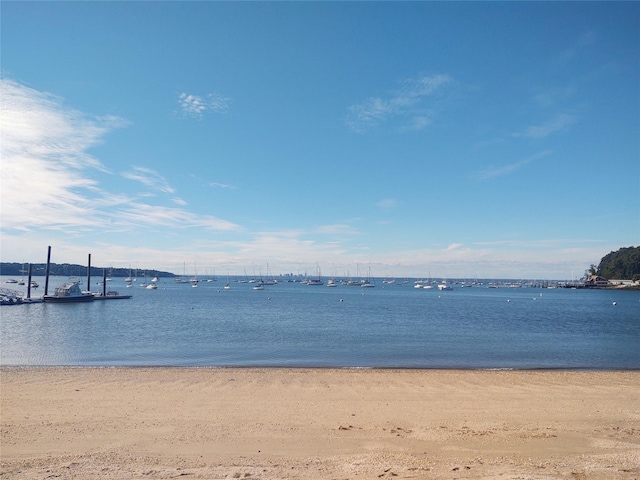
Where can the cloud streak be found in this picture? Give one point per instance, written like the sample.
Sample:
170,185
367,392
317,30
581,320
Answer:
494,172
559,123
196,106
149,178
407,104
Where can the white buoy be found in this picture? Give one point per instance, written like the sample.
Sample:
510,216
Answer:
615,303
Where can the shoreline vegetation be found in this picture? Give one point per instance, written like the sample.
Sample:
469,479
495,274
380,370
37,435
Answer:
315,423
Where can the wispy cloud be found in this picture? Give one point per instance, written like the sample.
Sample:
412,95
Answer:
557,124
337,229
149,178
221,185
580,44
196,106
50,181
387,203
493,172
45,159
160,216
407,103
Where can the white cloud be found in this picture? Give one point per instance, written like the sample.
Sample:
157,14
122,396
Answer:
387,203
337,229
493,172
149,178
45,160
406,104
221,185
197,106
159,216
557,124
49,180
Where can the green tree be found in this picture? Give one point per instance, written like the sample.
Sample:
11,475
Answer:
623,264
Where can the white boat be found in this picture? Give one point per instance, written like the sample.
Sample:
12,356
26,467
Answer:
444,286
152,286
368,283
68,293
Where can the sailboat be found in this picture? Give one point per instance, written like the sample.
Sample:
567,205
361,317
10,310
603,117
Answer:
228,285
129,279
368,283
194,279
21,282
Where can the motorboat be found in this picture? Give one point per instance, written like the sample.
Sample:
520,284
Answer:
69,293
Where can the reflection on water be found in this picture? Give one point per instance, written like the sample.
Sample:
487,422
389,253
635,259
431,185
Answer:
296,325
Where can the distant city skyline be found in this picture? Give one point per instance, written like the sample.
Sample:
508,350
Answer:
415,139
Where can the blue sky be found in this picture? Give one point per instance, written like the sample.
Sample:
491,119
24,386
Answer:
472,139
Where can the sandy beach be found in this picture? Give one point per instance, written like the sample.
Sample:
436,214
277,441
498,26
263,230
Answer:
147,423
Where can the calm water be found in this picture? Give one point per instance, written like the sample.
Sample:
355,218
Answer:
290,324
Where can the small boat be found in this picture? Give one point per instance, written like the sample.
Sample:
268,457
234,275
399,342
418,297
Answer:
444,286
152,286
69,293
110,295
12,280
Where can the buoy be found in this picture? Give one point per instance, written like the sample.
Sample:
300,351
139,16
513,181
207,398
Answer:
508,301
615,303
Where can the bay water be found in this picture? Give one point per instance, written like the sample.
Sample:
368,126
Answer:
297,325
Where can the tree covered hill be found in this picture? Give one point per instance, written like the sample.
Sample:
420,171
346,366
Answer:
623,264
69,270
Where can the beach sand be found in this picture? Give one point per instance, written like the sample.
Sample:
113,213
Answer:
148,423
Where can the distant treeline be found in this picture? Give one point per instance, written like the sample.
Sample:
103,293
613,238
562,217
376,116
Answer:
71,270
623,264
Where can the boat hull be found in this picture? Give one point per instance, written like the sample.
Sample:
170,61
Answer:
69,299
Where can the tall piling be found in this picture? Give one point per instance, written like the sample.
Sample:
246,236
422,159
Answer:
46,273
29,283
89,274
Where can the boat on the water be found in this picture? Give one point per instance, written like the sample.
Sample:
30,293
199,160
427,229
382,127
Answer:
69,293
110,295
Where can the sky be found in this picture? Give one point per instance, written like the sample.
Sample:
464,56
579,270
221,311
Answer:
408,139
